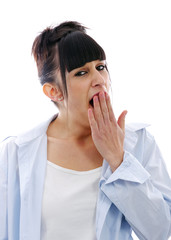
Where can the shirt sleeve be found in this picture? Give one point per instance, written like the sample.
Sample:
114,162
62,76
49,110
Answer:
3,191
141,189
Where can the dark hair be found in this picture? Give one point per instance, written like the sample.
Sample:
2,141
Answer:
66,46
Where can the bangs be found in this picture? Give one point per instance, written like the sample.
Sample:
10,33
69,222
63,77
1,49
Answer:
76,49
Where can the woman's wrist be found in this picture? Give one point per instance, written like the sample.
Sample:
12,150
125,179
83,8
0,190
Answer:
115,161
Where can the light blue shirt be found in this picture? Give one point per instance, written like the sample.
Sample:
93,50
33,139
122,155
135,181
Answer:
137,196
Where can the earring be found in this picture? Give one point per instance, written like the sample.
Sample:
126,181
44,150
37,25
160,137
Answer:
60,99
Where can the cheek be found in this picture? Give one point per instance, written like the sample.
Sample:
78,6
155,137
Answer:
78,92
77,96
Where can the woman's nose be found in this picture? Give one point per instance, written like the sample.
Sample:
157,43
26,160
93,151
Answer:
97,79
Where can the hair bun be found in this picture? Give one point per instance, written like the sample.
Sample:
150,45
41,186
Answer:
51,36
64,29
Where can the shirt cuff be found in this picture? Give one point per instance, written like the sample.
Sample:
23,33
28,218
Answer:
129,170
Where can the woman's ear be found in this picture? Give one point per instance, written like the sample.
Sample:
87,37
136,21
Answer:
53,92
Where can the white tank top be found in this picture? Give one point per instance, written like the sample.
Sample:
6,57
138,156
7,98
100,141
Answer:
69,203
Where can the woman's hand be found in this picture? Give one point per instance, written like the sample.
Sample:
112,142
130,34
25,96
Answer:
107,133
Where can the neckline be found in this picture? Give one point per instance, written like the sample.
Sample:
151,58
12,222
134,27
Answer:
75,172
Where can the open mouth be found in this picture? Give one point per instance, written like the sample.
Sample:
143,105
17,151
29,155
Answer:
91,103
91,100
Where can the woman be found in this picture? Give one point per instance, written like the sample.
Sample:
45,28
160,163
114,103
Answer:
81,174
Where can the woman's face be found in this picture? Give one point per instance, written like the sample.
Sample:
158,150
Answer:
82,84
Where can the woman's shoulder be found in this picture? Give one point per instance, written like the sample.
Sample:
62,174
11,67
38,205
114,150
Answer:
8,140
11,144
7,145
137,135
28,135
138,130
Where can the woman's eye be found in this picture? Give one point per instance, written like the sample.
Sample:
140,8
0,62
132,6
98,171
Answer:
101,67
80,73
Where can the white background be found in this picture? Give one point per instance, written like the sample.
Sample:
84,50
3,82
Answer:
136,36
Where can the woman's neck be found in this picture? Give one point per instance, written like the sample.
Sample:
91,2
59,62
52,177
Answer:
69,128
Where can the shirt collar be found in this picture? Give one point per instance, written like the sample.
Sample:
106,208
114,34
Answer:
35,132
133,127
